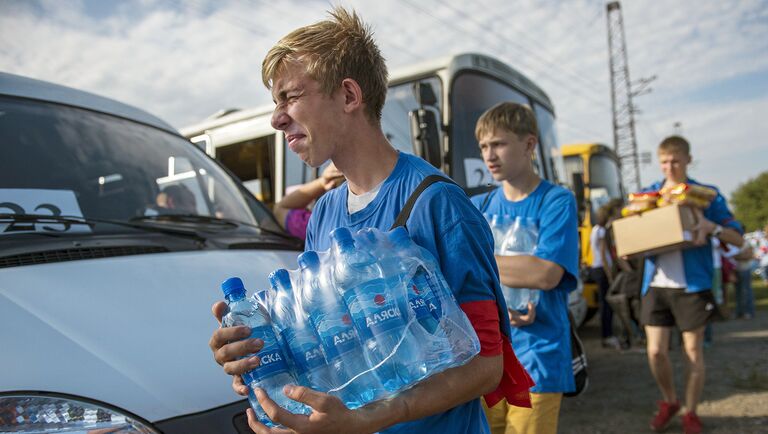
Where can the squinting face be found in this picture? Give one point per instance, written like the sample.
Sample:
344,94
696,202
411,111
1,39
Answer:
506,155
306,116
674,166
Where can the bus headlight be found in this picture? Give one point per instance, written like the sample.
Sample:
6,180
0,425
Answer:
30,413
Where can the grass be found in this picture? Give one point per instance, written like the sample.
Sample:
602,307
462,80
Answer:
760,289
760,292
749,377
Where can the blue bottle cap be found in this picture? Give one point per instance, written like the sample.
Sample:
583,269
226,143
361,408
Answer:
232,286
309,260
280,278
343,237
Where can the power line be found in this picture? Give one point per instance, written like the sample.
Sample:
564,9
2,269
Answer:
536,55
544,72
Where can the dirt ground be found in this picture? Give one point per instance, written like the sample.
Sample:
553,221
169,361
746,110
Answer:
622,394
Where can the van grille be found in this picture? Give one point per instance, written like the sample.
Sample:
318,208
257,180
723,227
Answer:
76,255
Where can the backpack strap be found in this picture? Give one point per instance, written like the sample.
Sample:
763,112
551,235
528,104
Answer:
487,198
405,213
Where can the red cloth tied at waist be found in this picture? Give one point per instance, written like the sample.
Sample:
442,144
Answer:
515,382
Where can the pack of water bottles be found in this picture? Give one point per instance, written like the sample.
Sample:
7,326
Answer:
515,236
362,321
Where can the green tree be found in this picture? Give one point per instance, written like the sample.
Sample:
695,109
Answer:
750,203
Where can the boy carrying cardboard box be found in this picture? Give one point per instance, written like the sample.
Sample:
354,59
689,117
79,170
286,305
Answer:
677,291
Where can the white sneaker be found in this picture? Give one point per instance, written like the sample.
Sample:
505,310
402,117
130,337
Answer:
612,342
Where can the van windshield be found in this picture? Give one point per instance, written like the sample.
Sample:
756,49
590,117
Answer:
65,161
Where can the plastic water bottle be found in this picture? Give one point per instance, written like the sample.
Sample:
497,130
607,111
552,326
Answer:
423,291
391,348
329,316
272,374
420,288
521,239
499,228
297,334
379,246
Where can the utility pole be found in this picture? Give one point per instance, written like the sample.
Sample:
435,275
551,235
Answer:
622,92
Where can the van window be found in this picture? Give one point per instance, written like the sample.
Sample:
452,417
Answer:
111,168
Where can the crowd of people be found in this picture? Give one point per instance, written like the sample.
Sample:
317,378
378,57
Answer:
329,83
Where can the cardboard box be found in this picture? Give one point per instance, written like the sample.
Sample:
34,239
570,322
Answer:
656,231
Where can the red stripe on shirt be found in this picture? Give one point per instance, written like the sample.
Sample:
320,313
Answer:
515,382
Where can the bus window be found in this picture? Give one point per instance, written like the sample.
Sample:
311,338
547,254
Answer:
472,95
573,164
549,144
604,176
394,115
252,162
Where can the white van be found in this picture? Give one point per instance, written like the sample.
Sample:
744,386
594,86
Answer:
115,234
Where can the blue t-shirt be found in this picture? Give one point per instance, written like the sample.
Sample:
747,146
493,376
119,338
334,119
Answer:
544,347
697,261
442,221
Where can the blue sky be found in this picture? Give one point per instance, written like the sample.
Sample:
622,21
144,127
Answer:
185,59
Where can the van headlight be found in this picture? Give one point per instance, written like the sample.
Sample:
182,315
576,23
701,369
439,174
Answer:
28,413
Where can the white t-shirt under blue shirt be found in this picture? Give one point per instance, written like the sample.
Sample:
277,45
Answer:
444,222
544,347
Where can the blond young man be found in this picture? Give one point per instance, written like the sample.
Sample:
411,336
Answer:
329,82
677,291
507,135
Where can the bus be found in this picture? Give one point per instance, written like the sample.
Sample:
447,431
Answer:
431,110
596,168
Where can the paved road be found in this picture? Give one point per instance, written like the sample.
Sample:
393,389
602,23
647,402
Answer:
621,397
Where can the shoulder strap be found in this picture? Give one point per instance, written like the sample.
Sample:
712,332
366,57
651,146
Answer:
487,198
405,213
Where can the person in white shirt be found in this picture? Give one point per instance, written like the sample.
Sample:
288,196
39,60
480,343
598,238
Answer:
601,274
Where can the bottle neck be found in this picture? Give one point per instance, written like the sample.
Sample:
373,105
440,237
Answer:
234,296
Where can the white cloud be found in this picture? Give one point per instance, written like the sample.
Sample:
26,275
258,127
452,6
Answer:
186,60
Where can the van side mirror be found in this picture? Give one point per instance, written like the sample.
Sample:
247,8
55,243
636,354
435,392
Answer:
425,133
577,181
425,136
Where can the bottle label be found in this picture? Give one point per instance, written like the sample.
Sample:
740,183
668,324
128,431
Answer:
373,309
272,358
305,348
432,300
337,334
418,294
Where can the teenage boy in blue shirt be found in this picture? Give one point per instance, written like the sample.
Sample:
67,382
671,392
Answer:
507,134
677,291
329,82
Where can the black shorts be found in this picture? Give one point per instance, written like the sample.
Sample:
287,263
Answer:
667,307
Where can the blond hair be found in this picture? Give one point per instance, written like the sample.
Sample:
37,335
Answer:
331,51
510,116
674,144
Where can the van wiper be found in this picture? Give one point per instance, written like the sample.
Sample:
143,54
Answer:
26,222
187,218
206,220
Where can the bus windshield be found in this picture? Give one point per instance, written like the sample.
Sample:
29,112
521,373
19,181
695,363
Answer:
604,180
474,93
394,117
